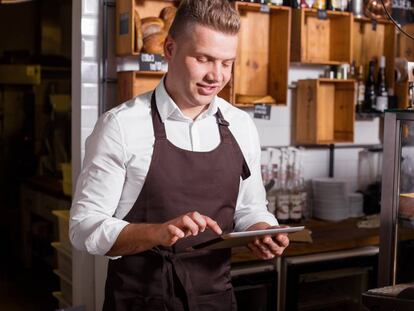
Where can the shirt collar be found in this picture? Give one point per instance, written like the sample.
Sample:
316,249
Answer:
168,109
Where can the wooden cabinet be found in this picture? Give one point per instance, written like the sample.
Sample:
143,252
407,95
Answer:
373,40
405,50
263,57
325,111
126,13
321,41
133,83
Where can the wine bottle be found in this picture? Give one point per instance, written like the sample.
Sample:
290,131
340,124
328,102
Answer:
382,91
370,94
360,89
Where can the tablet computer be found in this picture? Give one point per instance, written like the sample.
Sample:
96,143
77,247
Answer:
243,238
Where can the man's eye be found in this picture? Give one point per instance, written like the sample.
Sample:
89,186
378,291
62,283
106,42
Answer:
227,64
202,59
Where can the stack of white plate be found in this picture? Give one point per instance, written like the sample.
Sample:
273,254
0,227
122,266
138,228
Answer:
356,204
330,199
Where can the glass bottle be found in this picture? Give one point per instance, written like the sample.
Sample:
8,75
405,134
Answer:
382,91
296,204
282,198
370,94
360,90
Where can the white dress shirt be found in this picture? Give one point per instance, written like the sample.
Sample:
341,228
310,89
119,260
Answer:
117,158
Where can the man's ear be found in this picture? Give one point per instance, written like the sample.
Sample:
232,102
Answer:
169,47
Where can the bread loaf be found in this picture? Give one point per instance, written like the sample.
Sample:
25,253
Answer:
151,25
138,41
168,15
155,43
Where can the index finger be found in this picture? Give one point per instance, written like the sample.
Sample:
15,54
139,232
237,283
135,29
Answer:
213,225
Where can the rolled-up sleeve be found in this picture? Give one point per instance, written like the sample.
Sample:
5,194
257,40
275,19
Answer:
251,203
92,227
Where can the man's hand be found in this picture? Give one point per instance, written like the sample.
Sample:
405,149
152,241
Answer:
192,223
137,238
268,247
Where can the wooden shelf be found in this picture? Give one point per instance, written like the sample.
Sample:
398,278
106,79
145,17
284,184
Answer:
263,58
405,50
260,7
369,42
325,111
321,41
133,83
125,26
371,21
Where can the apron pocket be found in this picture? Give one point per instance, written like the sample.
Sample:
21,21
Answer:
222,301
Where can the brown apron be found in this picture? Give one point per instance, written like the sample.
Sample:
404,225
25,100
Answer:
180,181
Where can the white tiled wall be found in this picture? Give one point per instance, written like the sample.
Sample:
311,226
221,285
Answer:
278,130
86,47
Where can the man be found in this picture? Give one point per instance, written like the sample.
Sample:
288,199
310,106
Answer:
173,168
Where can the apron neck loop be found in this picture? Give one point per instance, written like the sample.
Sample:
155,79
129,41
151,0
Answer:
159,128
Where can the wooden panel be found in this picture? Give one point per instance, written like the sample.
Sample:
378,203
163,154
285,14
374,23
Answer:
226,92
317,40
370,42
325,112
306,112
401,90
321,41
251,68
390,50
406,45
279,52
297,36
134,83
124,15
341,39
344,114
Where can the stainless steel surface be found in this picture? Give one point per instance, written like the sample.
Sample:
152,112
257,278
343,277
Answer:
397,126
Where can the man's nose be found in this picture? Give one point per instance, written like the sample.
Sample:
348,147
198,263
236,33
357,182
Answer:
215,74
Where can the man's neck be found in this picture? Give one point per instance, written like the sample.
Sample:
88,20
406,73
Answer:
189,111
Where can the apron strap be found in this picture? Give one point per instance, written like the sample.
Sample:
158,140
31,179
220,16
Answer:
227,136
159,128
224,130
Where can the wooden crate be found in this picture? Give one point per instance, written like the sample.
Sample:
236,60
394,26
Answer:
373,41
405,49
134,83
325,111
262,63
125,14
321,41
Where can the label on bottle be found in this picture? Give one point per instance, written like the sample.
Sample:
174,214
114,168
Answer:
295,211
361,92
282,207
264,8
277,2
382,103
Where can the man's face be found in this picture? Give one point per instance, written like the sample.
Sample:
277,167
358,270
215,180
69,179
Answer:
199,64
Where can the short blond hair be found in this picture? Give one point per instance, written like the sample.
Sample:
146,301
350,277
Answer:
215,14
